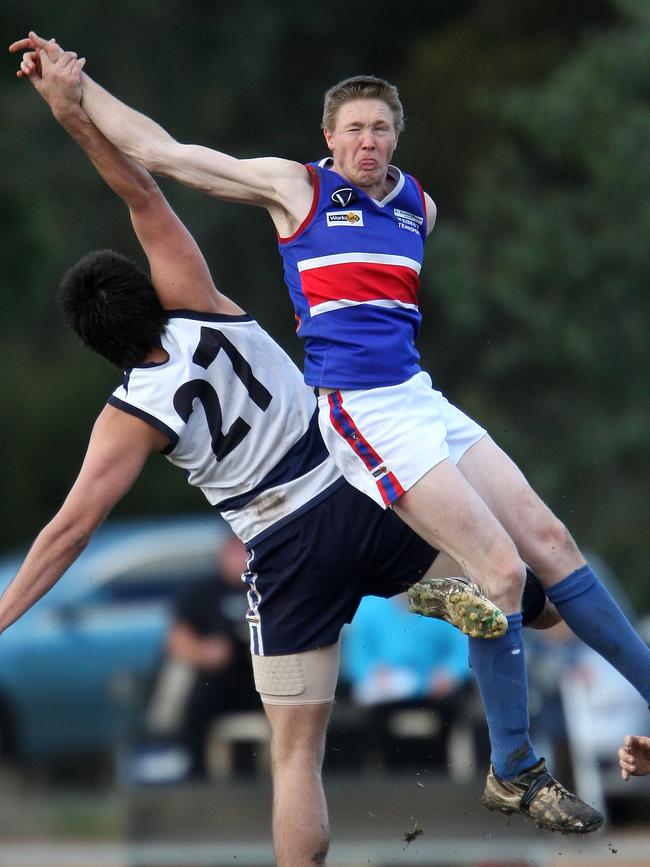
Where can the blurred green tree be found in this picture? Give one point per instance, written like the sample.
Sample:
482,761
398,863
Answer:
540,290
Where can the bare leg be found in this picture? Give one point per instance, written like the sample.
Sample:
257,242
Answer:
482,524
444,509
300,820
542,540
443,566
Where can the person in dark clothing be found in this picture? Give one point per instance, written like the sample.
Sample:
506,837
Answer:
209,633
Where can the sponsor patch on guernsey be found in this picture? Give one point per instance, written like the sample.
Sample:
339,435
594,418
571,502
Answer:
344,218
406,215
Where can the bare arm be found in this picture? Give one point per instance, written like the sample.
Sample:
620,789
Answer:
249,181
282,186
118,448
179,272
432,212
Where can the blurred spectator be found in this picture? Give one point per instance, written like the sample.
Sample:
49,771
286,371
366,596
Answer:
393,660
207,671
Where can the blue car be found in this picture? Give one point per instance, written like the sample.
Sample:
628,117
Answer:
73,668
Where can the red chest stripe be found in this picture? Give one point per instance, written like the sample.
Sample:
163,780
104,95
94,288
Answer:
359,282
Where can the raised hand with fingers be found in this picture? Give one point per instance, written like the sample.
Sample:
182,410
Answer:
60,82
31,45
54,73
634,757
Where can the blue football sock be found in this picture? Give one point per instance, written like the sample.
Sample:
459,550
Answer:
500,669
594,616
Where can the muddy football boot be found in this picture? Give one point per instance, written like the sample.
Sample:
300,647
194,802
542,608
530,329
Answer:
460,602
535,793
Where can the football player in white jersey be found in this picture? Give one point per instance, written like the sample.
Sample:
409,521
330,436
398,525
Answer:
132,331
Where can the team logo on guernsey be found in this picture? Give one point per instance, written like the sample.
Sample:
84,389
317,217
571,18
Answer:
347,218
344,196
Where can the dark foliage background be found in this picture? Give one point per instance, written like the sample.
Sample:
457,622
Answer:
529,124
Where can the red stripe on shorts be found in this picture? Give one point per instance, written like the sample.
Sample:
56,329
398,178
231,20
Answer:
371,460
399,490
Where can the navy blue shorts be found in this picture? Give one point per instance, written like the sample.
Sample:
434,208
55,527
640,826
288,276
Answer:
307,579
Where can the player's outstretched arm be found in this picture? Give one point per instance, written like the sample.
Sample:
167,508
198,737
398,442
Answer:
117,451
179,272
281,186
56,76
634,757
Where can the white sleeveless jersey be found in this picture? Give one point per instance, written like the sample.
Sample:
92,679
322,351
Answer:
241,422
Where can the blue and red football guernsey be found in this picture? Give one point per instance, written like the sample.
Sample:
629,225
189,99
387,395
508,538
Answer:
353,272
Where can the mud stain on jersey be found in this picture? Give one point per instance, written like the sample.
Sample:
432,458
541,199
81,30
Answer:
270,506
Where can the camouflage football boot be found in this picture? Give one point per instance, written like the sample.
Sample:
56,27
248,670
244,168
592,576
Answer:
535,793
460,602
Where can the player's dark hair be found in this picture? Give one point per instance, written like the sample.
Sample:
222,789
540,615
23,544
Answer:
110,303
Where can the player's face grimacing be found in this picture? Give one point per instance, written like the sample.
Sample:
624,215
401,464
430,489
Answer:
362,142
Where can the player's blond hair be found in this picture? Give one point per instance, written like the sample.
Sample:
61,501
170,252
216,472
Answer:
362,87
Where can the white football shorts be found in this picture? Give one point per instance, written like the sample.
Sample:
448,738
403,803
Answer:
384,439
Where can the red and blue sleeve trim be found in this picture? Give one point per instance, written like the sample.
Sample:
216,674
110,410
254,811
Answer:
314,204
424,202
